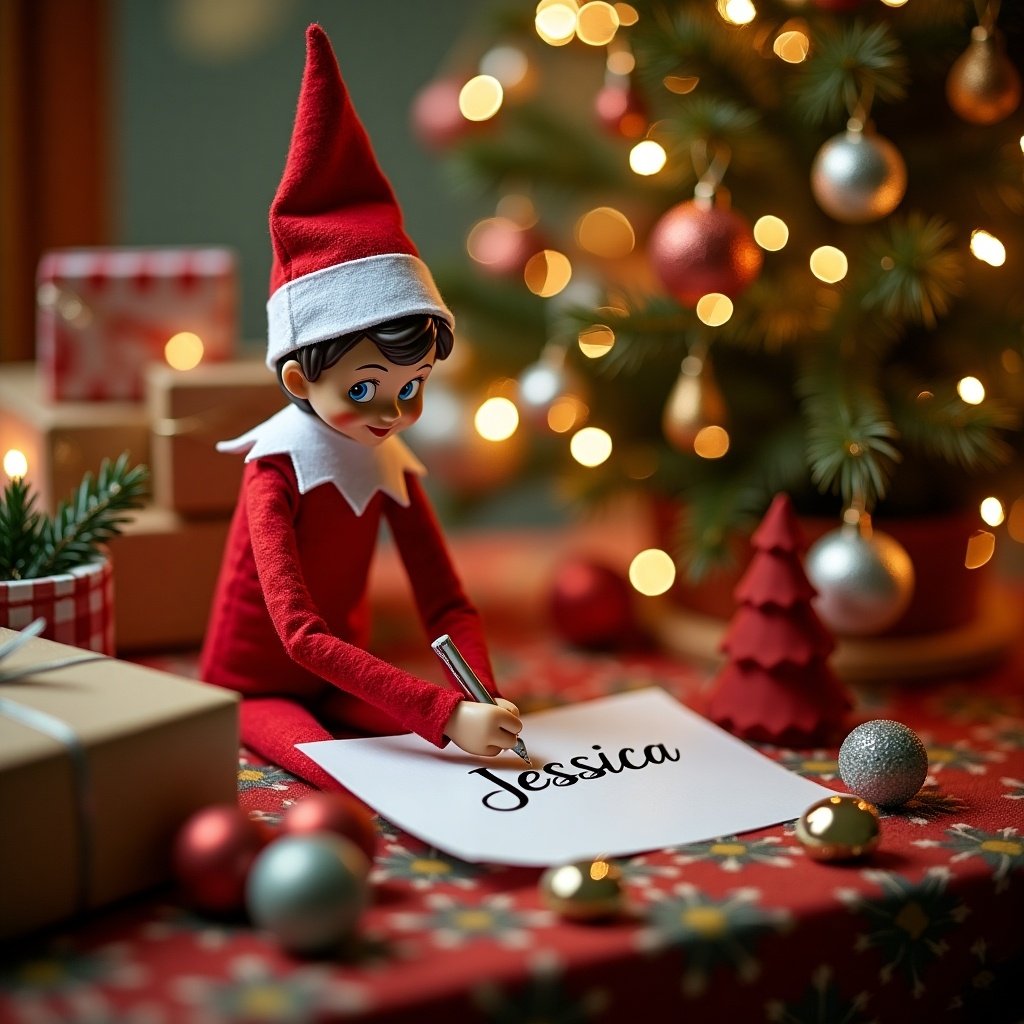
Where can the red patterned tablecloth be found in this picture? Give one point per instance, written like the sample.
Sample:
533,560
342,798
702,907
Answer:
742,928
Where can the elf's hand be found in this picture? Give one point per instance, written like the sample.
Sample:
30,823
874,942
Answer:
484,728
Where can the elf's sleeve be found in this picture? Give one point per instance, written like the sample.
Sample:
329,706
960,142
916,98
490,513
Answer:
272,505
442,604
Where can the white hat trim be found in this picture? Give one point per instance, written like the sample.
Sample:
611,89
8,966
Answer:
349,297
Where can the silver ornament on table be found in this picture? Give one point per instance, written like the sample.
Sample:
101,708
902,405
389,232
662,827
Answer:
864,578
858,176
884,762
308,890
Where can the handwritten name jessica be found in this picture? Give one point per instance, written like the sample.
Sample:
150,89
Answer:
511,797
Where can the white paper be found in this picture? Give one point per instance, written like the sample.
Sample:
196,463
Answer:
693,782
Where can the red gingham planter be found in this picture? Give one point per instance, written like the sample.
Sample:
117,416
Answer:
78,606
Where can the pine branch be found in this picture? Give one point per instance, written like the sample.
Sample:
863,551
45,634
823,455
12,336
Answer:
19,529
94,514
847,63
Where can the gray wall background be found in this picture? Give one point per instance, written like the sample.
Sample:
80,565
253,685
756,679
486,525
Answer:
205,93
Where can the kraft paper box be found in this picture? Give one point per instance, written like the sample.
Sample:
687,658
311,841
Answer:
190,411
104,315
165,571
63,440
156,749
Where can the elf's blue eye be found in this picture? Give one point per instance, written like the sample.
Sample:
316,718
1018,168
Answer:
410,390
363,391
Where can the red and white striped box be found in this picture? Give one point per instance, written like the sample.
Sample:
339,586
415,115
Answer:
78,606
104,315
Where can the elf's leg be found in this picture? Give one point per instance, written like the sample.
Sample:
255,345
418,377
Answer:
271,726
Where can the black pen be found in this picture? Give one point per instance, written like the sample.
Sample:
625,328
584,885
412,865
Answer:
444,647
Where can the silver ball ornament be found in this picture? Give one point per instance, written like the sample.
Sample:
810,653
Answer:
884,762
308,890
858,177
864,580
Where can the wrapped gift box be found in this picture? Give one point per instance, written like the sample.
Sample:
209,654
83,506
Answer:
190,411
165,570
105,314
63,440
90,816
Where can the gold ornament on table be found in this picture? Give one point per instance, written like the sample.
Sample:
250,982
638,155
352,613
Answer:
584,890
983,86
694,403
839,828
864,578
858,176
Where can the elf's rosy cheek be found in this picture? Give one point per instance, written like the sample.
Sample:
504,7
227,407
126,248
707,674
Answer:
343,419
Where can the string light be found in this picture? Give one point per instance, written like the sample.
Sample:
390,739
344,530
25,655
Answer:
184,351
596,341
829,264
597,23
981,547
555,21
647,158
771,233
605,232
590,446
628,14
480,98
15,463
714,309
496,419
992,511
711,442
566,412
737,12
792,46
652,572
987,248
546,273
971,390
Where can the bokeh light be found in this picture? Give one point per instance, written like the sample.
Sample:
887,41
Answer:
15,463
596,341
737,12
184,351
555,21
987,248
605,232
652,572
596,23
711,442
992,511
829,264
590,446
771,233
546,273
496,419
971,390
647,158
980,548
792,46
566,412
714,309
480,98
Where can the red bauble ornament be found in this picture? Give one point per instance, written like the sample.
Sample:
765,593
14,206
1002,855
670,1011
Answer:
333,812
437,121
696,248
212,854
500,246
622,110
591,605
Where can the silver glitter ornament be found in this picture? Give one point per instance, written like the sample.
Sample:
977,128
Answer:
884,762
858,177
864,578
308,890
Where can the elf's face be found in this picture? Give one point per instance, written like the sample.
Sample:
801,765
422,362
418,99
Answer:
364,395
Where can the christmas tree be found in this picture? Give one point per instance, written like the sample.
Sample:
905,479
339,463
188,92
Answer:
746,247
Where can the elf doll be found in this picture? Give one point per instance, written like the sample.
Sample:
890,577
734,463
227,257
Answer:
355,325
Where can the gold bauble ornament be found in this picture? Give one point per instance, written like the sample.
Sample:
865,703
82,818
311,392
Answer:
839,828
983,86
584,890
858,176
693,404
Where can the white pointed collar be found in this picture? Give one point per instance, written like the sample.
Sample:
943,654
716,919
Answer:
321,455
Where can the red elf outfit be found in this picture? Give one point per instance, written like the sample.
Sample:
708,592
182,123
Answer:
289,623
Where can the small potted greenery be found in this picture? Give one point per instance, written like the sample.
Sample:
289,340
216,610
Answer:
56,566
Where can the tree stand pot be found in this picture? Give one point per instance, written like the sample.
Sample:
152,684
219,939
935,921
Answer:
78,606
958,619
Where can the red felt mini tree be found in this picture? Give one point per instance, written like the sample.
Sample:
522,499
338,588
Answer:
776,685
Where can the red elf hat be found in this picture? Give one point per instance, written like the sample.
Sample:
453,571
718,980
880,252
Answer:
342,260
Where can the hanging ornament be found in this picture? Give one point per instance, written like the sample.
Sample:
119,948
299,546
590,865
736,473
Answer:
884,762
983,86
621,108
591,605
583,891
308,890
702,246
858,176
694,403
864,578
839,828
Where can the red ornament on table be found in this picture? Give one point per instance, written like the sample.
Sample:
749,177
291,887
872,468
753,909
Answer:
697,248
591,605
776,685
212,855
333,812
